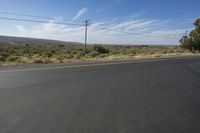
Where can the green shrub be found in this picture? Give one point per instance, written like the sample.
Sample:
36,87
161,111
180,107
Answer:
100,49
3,56
78,55
49,53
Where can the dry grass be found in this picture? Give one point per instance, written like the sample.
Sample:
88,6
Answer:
28,54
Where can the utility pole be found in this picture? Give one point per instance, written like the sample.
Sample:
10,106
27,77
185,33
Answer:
86,32
186,32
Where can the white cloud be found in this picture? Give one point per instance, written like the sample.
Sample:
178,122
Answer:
20,28
80,13
141,31
100,9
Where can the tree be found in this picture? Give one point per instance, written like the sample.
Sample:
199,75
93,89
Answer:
192,42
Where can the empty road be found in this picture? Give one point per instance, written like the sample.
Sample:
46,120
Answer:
159,96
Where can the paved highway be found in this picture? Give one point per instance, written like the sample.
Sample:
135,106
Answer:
160,96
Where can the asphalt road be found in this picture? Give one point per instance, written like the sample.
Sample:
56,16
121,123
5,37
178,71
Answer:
140,97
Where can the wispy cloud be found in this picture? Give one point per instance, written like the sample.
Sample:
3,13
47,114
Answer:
136,15
100,9
137,31
118,1
114,19
80,13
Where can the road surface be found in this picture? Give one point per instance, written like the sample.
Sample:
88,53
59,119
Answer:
159,96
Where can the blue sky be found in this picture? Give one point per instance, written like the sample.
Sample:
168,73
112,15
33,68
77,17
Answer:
148,21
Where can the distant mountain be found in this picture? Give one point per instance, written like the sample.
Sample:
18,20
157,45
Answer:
30,41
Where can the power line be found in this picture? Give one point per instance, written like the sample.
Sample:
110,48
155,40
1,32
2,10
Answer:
24,15
40,21
33,16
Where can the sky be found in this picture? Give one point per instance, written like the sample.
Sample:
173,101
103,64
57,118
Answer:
111,21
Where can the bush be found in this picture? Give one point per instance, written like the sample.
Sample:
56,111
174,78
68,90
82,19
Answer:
38,61
49,53
13,58
3,56
47,60
100,49
78,55
62,58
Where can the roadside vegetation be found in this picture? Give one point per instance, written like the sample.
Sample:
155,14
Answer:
26,54
192,42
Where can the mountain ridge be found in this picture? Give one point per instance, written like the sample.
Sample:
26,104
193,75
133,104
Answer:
32,41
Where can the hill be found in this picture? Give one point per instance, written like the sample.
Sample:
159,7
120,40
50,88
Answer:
32,41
